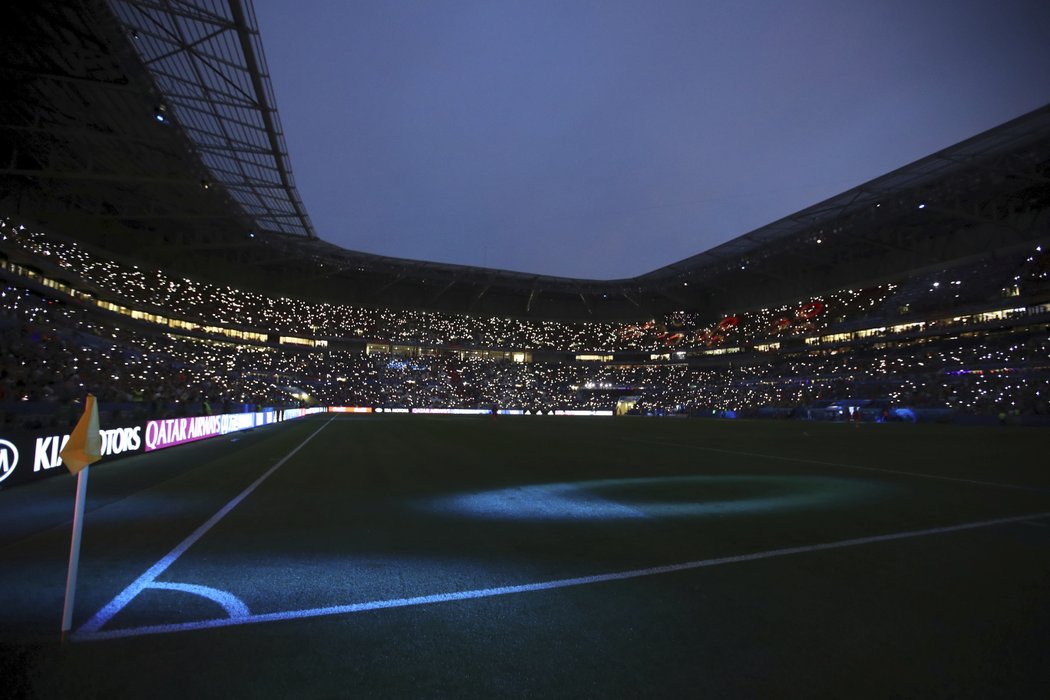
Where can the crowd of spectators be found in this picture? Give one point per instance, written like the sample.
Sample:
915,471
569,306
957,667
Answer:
155,291
54,351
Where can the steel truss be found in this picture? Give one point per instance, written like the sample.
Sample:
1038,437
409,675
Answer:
207,60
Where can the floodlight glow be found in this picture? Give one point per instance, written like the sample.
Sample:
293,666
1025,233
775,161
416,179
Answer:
671,496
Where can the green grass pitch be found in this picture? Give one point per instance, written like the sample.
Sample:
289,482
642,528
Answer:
413,556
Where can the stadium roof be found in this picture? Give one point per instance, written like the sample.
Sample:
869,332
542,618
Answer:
148,130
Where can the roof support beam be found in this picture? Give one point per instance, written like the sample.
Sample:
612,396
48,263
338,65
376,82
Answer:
266,111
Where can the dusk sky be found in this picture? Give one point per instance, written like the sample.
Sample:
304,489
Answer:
606,139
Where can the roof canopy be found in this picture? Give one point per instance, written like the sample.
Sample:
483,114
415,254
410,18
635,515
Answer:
148,130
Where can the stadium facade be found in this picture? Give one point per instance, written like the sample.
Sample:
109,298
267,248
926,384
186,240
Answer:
150,132
153,237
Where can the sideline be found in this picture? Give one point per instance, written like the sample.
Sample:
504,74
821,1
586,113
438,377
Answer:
65,524
94,634
147,579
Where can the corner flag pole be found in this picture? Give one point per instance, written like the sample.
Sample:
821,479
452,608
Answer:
83,448
74,551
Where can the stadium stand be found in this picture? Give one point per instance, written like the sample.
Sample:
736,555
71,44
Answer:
927,289
114,332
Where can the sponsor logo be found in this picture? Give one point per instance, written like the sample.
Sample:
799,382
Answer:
114,442
175,431
46,453
8,459
120,440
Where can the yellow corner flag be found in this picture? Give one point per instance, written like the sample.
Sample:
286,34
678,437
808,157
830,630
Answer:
85,442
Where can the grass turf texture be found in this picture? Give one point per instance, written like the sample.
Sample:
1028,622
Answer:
378,508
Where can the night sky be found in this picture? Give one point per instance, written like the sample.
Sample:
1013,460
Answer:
606,139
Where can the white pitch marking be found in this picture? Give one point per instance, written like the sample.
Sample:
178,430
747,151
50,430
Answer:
92,635
128,594
231,604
